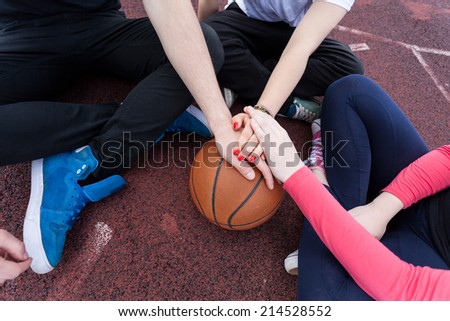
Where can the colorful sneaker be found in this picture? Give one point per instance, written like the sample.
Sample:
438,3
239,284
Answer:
303,109
56,201
192,120
291,263
315,159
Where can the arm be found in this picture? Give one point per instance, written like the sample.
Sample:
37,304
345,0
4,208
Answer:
379,272
424,177
207,8
317,23
183,42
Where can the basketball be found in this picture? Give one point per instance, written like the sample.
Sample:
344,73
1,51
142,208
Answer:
227,199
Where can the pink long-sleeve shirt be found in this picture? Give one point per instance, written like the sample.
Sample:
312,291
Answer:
378,271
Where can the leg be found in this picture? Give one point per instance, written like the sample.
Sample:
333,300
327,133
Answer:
32,130
247,44
363,131
57,198
367,139
331,61
37,63
322,277
152,105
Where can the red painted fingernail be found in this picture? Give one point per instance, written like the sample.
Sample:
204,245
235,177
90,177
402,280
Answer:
236,152
241,158
251,159
235,125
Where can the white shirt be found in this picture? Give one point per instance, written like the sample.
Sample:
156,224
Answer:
289,11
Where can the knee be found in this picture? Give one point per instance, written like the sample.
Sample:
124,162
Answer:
346,85
214,46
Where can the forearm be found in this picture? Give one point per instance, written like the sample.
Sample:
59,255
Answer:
183,42
207,8
320,19
424,177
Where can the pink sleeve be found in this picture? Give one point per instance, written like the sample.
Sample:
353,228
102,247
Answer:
379,272
426,176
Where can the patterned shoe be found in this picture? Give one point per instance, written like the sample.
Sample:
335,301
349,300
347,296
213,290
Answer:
303,109
56,201
315,159
192,120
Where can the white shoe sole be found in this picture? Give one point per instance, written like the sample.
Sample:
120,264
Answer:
31,228
291,263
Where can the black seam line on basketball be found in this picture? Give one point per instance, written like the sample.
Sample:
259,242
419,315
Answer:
213,201
275,208
245,201
202,211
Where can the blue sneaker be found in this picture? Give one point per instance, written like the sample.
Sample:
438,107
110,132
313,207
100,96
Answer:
192,120
56,201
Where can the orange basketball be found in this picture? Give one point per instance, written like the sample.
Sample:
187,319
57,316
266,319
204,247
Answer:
225,197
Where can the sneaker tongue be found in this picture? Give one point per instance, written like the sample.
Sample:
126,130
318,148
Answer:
97,191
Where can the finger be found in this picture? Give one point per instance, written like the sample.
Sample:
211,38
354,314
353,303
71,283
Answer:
13,246
249,148
257,153
267,173
246,134
259,132
10,270
238,121
244,168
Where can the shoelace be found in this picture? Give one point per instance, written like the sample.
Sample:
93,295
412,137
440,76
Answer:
304,114
316,156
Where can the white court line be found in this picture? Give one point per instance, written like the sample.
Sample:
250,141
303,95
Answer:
359,47
430,72
84,261
415,50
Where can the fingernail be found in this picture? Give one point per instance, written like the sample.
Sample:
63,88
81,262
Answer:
241,158
251,159
235,125
236,152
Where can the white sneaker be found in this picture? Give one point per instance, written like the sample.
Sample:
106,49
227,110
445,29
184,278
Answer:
291,263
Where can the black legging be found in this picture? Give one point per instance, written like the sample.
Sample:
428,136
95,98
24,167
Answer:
367,141
42,57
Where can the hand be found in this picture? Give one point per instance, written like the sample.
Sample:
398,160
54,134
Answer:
249,146
376,215
369,218
13,258
280,152
226,141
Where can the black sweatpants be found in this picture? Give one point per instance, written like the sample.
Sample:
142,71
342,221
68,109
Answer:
42,57
253,47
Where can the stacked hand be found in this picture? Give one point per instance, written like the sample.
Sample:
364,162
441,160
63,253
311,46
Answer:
274,141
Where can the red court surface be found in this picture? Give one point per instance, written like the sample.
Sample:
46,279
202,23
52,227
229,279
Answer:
148,242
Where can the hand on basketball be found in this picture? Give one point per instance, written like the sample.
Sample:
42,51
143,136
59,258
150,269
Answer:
226,141
13,258
249,147
281,154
